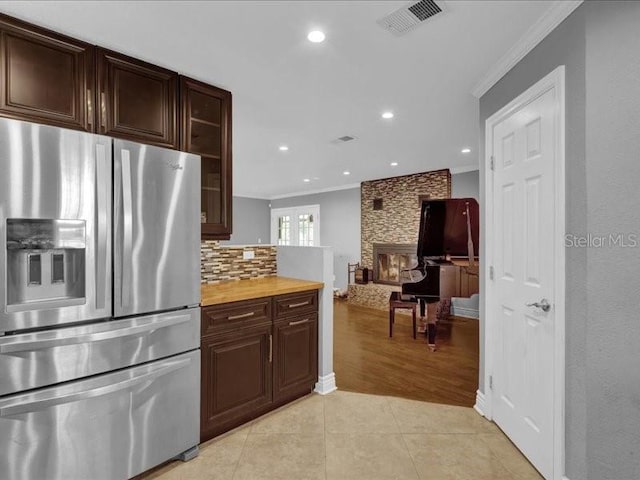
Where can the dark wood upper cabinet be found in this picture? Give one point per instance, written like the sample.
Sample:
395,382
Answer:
45,77
206,130
56,80
138,101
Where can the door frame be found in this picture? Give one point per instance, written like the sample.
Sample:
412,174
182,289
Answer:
554,80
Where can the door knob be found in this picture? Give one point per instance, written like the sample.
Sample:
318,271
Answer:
543,305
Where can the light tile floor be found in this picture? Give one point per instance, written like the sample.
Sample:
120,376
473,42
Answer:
352,436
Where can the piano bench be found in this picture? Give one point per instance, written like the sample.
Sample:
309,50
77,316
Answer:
396,301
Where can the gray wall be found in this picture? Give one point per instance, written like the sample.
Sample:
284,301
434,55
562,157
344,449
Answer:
613,206
599,45
251,221
339,226
466,185
564,46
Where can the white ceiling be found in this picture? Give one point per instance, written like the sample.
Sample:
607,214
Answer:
290,91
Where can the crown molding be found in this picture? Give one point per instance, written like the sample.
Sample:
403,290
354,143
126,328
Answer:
251,197
313,192
469,168
538,31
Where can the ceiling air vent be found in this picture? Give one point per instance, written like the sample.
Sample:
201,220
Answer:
410,16
344,139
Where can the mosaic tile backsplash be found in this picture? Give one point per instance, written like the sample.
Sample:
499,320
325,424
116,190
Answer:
225,262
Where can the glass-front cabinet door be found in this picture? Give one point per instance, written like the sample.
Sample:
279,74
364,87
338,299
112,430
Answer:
207,132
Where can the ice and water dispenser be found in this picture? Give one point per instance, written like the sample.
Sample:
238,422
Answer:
45,263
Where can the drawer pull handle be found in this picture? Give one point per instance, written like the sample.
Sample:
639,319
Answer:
270,348
301,304
298,322
117,333
244,315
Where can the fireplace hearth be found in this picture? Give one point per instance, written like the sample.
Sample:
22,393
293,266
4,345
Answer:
389,259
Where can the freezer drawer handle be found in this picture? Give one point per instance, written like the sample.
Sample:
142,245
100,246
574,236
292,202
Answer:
92,337
53,400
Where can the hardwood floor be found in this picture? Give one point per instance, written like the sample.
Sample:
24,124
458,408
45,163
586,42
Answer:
366,360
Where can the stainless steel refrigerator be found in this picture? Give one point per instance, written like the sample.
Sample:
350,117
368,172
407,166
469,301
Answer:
99,316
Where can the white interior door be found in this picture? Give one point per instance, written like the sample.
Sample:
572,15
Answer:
299,226
522,302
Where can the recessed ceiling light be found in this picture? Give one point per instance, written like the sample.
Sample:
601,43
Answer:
306,180
387,115
283,148
466,150
394,164
316,36
346,172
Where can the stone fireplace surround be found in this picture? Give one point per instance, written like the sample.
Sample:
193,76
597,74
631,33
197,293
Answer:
394,221
398,219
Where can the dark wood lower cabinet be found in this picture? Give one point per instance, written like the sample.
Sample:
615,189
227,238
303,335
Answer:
236,378
295,363
260,365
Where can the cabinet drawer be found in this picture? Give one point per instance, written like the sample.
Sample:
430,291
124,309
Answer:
295,303
232,316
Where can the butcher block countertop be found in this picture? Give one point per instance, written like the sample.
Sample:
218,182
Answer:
238,290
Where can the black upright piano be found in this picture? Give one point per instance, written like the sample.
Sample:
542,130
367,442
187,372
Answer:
448,228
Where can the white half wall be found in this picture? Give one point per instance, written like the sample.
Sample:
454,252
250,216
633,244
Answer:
339,226
315,264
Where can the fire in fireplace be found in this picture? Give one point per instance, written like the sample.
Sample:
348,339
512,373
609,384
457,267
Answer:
390,259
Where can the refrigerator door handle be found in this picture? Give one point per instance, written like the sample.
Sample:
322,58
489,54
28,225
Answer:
127,217
54,399
75,339
102,210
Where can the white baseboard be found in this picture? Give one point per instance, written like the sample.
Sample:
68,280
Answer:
326,384
466,307
480,403
457,311
564,477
